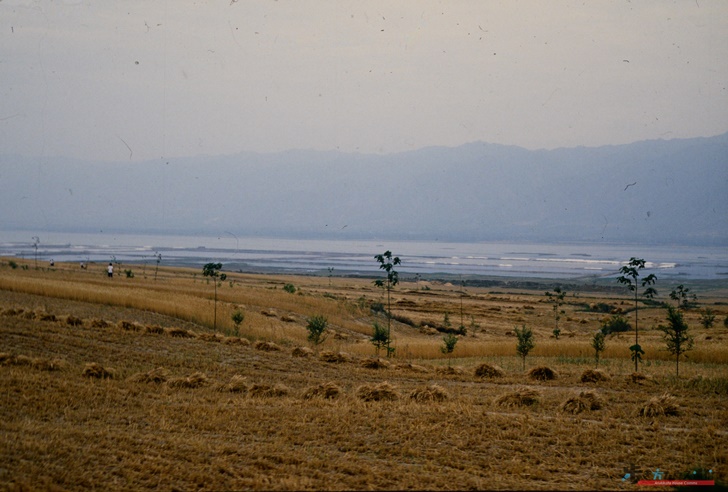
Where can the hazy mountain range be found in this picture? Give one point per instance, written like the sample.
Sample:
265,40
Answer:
666,191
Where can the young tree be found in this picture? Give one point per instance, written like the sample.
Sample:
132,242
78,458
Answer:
238,317
556,298
379,338
158,256
707,318
630,278
448,344
317,329
681,296
676,336
524,343
212,270
598,343
387,263
36,242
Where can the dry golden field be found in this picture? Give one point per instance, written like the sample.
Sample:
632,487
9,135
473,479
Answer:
123,384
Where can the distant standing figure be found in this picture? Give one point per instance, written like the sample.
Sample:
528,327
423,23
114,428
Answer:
110,270
52,262
82,266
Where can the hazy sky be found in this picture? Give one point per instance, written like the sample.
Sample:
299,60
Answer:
120,80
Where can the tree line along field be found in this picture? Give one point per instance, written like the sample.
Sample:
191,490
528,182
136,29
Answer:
124,384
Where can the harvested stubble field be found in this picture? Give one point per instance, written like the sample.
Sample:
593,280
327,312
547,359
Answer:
123,384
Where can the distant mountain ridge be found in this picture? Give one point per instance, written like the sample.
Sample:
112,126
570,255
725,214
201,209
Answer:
662,191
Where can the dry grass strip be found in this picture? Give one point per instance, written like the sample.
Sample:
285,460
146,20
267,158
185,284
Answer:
586,400
660,405
519,398
194,380
488,371
329,391
430,393
542,373
158,375
96,370
594,376
377,392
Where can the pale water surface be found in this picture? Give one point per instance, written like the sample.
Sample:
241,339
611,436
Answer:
337,257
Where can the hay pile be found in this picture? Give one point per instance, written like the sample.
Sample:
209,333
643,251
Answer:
237,384
327,391
449,370
237,341
412,367
180,333
302,352
660,405
266,346
639,378
586,400
520,398
154,329
334,357
158,375
95,370
374,364
267,391
488,371
73,321
377,392
209,337
195,380
39,363
594,376
542,373
129,326
430,393
99,323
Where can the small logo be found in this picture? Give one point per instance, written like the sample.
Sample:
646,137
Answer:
657,475
630,474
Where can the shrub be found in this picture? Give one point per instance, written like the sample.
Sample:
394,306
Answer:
616,324
317,329
290,288
488,371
